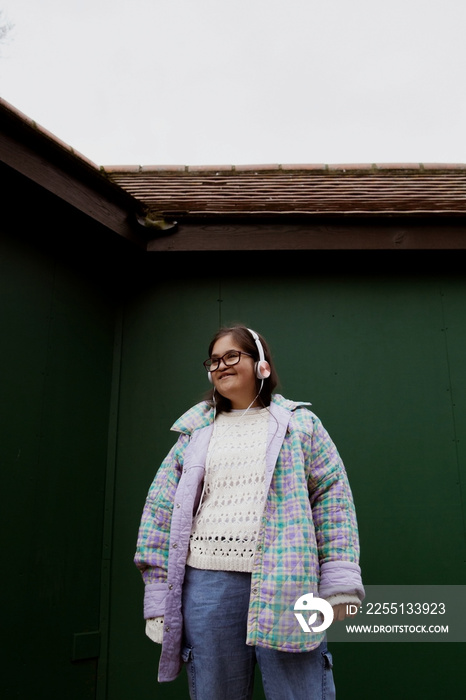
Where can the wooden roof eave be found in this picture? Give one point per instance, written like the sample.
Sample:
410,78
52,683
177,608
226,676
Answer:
332,231
44,160
282,208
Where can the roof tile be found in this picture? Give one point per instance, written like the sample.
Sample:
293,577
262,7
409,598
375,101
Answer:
260,190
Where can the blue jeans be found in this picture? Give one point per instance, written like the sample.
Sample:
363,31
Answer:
221,665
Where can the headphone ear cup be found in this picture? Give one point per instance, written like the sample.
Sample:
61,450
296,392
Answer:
262,370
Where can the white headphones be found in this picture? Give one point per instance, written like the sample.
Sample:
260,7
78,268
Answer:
261,367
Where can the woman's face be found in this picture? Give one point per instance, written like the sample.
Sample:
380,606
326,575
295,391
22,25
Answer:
236,383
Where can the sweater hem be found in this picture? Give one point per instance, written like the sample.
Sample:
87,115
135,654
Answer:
212,563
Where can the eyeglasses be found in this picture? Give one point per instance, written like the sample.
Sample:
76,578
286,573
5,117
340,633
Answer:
230,358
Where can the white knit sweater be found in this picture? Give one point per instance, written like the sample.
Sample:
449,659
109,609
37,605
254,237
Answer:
226,526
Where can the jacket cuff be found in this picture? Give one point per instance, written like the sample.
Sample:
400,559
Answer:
345,598
338,577
154,599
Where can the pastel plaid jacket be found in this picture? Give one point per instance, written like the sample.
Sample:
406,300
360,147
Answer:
308,540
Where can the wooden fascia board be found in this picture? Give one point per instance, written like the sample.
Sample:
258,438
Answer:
72,182
338,234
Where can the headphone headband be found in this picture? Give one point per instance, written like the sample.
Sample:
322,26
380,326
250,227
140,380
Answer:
262,367
258,344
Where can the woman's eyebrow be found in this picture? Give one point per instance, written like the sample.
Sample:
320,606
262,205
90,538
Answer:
214,356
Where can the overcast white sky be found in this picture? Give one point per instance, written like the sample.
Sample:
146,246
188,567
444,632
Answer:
198,82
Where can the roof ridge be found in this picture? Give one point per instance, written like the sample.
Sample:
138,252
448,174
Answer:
277,168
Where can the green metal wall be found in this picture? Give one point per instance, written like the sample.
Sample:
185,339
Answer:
56,354
378,348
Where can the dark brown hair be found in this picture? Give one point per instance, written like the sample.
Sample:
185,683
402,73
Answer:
246,342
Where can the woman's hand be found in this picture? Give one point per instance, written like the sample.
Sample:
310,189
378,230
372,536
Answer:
340,611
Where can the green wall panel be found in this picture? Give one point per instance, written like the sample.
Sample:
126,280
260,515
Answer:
380,357
56,357
370,354
164,332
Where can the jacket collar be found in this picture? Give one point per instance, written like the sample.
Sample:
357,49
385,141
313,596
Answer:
202,414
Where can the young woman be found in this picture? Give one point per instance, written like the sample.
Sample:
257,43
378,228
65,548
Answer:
250,510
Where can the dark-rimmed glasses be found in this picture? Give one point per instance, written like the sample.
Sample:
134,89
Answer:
230,358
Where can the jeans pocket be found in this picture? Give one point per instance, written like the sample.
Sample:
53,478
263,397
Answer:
328,660
186,654
187,658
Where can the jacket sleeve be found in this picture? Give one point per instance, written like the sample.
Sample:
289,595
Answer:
334,516
151,556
